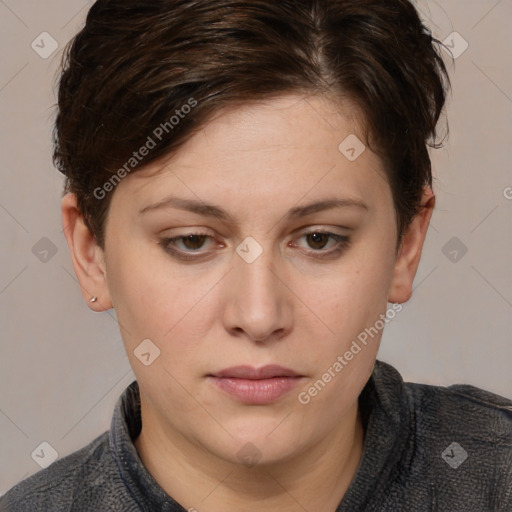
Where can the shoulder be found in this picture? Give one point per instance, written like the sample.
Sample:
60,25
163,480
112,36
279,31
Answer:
87,471
452,445
462,408
462,443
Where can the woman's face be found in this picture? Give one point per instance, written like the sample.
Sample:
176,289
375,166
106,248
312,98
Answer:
255,286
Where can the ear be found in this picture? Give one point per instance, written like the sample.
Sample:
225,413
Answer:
409,253
87,257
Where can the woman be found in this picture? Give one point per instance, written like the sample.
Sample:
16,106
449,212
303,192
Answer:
248,186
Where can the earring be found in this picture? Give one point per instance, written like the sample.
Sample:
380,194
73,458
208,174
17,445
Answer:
94,299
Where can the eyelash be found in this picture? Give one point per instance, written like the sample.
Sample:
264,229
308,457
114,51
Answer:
343,242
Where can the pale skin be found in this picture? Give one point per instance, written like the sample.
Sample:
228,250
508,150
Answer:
287,307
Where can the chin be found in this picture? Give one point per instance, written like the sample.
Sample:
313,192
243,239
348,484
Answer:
261,446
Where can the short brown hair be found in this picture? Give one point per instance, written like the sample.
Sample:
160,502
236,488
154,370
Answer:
135,65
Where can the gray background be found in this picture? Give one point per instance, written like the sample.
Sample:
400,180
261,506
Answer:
62,367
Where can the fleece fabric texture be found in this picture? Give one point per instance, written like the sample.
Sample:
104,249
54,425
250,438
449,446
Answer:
426,449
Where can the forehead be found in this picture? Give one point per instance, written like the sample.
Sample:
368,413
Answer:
291,143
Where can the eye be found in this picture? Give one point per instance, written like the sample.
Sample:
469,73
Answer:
187,247
318,239
191,242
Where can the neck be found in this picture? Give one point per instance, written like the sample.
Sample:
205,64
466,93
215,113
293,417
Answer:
315,479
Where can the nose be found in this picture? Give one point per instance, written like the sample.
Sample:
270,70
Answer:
258,305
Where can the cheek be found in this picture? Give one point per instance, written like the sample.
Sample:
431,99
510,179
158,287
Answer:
157,299
143,293
356,292
351,305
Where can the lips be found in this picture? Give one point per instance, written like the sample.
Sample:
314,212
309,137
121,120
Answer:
256,386
250,373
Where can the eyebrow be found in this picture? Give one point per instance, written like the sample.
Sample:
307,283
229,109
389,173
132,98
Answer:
211,210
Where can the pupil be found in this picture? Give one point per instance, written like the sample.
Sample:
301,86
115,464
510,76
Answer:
317,238
194,239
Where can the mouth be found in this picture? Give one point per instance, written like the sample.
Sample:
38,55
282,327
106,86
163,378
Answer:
256,386
248,372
